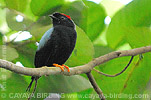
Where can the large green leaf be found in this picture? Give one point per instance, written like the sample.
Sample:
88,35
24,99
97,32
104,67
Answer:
2,17
26,54
83,52
94,16
42,7
13,87
1,38
2,2
62,84
8,53
101,50
19,5
18,26
132,16
115,34
147,91
138,36
28,12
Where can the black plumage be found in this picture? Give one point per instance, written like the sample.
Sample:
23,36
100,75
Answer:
57,43
58,48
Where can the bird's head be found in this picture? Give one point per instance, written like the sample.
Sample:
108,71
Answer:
62,19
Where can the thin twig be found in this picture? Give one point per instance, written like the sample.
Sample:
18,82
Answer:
95,86
117,73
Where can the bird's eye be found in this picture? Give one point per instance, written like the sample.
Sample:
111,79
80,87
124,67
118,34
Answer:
63,18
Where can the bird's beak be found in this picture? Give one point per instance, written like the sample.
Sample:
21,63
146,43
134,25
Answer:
53,17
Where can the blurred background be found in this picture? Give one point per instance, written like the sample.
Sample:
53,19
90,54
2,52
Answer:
103,26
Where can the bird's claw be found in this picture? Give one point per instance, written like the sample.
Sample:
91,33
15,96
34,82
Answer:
66,67
62,67
57,65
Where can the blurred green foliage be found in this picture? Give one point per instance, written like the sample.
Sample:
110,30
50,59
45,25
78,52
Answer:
130,27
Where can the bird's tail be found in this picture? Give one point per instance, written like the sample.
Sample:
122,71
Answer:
29,86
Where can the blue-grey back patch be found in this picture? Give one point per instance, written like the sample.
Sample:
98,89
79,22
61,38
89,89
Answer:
45,38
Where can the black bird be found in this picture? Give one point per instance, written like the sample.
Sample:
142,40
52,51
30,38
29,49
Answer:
56,45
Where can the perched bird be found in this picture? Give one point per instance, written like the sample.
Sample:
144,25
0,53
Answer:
56,45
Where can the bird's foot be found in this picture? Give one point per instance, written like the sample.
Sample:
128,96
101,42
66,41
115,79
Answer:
57,65
66,67
62,66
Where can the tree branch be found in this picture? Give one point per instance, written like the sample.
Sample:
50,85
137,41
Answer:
74,70
95,86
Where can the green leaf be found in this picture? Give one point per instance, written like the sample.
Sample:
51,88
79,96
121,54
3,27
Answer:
2,17
115,36
18,26
132,15
83,52
62,84
43,7
14,87
28,13
147,91
26,54
19,5
101,50
2,2
138,36
44,21
94,19
1,38
8,53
